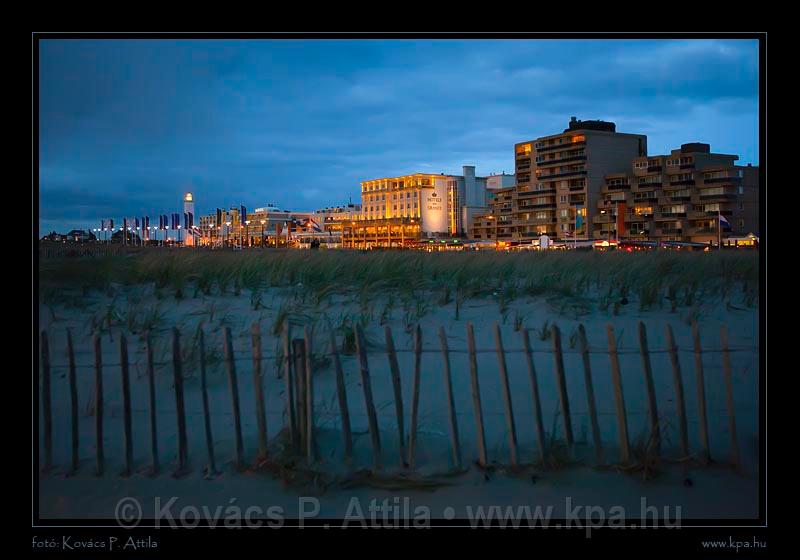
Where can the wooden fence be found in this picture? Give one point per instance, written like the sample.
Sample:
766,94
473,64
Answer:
297,372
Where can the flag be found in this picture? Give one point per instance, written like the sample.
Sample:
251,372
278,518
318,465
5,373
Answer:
724,220
103,225
111,224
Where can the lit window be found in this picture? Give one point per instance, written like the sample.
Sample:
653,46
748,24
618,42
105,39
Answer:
524,149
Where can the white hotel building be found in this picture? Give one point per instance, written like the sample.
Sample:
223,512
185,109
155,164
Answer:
405,209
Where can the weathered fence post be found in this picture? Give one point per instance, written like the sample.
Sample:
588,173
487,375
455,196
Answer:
151,381
98,407
702,419
537,405
561,383
476,396
73,398
680,403
212,464
398,393
341,393
619,399
415,381
127,437
258,391
726,371
361,348
455,444
652,406
501,363
299,352
309,381
47,404
587,380
180,407
234,387
291,418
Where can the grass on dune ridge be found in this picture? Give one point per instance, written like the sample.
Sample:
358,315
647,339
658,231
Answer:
650,277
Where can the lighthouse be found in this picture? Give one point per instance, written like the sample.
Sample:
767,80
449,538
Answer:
188,211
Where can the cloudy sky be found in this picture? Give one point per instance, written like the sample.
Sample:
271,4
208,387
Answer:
125,127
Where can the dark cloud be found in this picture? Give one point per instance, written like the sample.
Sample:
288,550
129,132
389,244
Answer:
127,126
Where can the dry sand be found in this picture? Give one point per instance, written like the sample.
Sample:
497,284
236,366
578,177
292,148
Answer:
716,491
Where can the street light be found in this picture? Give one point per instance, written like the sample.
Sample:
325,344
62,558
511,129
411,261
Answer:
496,231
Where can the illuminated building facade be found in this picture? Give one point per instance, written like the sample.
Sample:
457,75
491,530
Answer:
397,211
265,226
558,182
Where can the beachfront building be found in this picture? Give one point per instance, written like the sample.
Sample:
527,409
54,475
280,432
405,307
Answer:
404,210
559,179
497,186
680,197
332,218
267,226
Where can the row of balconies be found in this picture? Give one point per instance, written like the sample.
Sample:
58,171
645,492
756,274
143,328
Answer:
545,177
656,215
563,146
547,162
728,191
538,206
532,191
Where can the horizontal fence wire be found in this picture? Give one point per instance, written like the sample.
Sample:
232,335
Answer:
268,356
389,414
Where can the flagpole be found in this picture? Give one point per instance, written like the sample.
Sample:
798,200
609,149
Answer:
719,229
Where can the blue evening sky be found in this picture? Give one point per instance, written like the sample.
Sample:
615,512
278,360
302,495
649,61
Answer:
126,126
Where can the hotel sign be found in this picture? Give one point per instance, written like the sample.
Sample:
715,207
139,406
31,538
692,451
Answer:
434,208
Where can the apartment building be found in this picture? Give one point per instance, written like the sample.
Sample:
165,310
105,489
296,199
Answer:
497,188
559,179
678,197
498,223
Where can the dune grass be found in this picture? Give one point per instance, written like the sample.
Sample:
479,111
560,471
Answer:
654,279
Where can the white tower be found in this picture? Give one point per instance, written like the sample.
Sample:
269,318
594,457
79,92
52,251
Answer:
188,208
